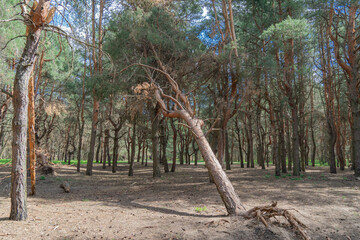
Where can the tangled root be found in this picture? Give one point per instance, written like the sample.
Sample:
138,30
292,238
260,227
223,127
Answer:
265,213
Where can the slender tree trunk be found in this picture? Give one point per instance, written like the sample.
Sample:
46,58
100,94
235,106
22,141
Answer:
82,118
139,148
227,152
103,150
295,142
313,150
239,143
133,145
282,151
96,102
31,135
173,166
155,140
182,146
98,148
251,143
143,152
146,153
115,150
106,147
196,150
164,145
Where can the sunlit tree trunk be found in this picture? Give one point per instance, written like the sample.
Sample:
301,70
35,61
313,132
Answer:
31,135
39,16
96,101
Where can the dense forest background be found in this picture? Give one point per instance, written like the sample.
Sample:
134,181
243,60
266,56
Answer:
275,82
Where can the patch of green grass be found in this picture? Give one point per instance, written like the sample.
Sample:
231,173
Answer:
71,162
42,177
267,175
277,177
346,179
289,175
4,161
200,209
283,176
85,200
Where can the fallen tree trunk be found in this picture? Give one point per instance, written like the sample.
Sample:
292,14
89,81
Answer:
66,186
225,188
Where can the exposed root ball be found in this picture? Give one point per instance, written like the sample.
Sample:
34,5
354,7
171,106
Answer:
47,170
265,213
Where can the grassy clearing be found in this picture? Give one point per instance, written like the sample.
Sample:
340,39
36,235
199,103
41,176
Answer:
200,162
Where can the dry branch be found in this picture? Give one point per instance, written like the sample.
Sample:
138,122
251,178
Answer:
265,213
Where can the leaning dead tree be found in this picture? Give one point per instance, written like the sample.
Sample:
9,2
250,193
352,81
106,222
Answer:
182,109
40,15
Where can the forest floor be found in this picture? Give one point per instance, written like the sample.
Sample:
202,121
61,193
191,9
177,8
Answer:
180,205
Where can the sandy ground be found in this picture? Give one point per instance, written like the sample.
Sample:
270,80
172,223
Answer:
115,206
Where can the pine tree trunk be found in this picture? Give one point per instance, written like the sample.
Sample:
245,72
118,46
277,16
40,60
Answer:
173,166
115,150
227,151
31,135
164,145
98,148
222,182
20,115
295,142
133,145
155,140
96,102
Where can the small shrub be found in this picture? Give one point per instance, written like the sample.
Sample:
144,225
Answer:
42,178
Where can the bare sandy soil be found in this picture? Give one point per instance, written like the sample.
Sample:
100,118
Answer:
115,206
